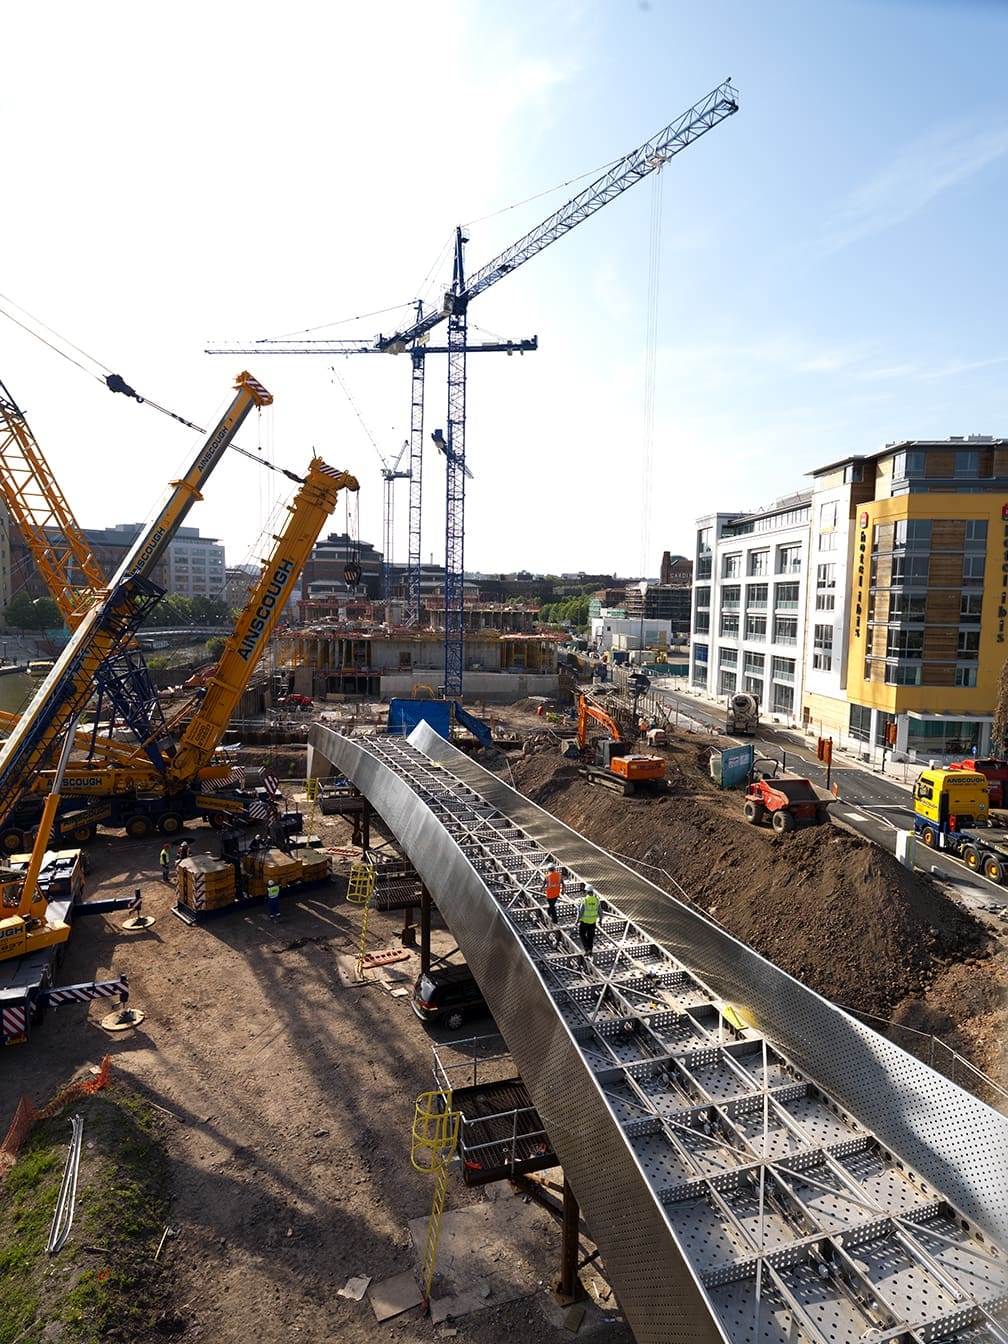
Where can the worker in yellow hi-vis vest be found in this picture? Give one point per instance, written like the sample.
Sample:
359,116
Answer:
588,917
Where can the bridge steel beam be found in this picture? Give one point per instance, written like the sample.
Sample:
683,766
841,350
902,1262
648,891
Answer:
946,1136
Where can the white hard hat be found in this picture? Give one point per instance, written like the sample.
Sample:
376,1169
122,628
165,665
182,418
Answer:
589,890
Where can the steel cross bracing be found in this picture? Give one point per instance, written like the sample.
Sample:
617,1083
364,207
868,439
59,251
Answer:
796,1222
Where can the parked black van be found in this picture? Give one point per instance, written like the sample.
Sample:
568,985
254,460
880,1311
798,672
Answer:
448,995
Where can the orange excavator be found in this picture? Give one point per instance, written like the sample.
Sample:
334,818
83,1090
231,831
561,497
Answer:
615,764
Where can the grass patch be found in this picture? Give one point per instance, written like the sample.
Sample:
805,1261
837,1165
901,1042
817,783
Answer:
104,1284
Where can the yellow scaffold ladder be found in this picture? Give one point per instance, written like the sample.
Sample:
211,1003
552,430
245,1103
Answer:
435,1138
311,793
360,889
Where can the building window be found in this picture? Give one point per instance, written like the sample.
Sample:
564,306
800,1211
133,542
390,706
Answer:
703,567
905,644
785,597
754,685
853,473
859,723
965,676
703,599
783,700
788,559
759,563
729,626
701,626
704,537
827,515
969,608
755,627
785,630
755,663
732,567
968,647
731,597
908,464
903,674
907,607
822,648
726,683
976,534
782,669
756,597
914,533
973,571
729,657
967,464
828,541
825,587
909,570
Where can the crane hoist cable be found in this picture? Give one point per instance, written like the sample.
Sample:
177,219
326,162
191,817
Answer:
115,381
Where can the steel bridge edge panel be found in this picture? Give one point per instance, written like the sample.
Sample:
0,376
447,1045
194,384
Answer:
948,1137
657,1287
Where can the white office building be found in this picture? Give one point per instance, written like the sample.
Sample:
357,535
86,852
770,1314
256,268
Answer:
196,565
749,603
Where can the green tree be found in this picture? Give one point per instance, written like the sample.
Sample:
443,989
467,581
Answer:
27,614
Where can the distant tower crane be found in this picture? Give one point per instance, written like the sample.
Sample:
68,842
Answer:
416,444
390,475
718,105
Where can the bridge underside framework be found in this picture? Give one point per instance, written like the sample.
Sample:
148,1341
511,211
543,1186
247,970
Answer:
793,1178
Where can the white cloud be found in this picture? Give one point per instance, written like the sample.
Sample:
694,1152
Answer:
936,163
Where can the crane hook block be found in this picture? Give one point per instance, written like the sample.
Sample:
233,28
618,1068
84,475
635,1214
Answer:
116,383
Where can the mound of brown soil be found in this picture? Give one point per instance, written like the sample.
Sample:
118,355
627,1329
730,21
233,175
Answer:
836,911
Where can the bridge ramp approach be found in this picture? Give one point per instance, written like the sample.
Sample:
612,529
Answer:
754,1164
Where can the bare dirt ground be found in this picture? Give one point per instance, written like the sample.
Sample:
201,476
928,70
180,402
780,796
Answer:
286,1099
287,1095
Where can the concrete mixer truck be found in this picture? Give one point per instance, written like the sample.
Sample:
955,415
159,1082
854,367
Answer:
743,713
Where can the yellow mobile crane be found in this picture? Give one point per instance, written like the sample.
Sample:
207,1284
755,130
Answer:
131,792
107,627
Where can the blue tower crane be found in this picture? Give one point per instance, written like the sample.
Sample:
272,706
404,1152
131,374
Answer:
719,104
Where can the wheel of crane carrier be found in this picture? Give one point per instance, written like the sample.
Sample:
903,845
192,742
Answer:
971,857
928,836
782,821
752,811
12,841
993,868
83,835
138,827
170,824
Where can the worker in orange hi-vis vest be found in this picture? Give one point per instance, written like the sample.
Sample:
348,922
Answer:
553,885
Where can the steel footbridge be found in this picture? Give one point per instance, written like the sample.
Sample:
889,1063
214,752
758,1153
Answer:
755,1165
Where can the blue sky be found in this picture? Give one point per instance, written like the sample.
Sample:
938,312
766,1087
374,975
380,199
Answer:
831,271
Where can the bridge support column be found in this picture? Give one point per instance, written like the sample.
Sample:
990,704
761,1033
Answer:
425,909
566,1290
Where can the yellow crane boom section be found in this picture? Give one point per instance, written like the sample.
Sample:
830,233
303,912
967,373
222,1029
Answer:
309,510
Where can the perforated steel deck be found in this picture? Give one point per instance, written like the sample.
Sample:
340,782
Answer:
797,1178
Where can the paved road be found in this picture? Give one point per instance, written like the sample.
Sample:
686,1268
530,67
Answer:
871,803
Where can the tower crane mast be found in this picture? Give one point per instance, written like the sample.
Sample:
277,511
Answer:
696,121
720,103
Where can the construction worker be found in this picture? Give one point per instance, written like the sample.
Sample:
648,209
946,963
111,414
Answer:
273,898
553,885
588,916
164,861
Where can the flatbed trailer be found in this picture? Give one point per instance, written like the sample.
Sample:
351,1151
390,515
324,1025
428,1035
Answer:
980,852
